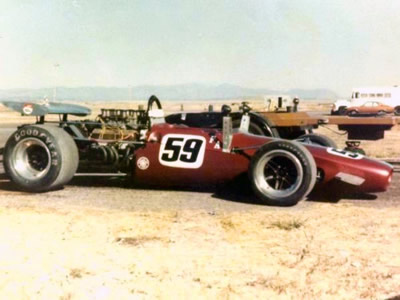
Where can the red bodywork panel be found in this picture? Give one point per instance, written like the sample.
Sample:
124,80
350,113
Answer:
180,155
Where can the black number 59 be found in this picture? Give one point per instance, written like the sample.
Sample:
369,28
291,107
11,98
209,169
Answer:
182,151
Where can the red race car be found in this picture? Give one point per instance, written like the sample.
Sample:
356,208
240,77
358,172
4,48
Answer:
46,155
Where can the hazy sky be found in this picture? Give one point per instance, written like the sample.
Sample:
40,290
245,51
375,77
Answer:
275,44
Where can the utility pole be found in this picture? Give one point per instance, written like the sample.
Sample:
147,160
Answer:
56,65
130,92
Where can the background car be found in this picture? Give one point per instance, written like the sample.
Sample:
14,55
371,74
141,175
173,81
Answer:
370,108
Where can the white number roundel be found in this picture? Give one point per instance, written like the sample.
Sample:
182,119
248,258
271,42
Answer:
182,151
344,153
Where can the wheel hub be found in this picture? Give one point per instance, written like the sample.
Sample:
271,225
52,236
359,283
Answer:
279,174
31,158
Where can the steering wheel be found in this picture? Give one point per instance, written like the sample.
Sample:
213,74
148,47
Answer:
151,111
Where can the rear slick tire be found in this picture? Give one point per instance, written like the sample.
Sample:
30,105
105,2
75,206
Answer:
282,173
40,158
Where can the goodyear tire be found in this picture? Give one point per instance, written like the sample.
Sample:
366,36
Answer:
282,173
317,139
39,158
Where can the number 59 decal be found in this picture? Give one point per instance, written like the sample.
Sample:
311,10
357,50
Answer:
344,153
182,151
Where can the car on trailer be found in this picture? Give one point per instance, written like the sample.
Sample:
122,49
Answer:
139,144
370,108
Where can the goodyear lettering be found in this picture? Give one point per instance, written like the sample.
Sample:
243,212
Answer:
44,137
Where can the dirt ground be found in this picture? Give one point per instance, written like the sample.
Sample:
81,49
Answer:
112,242
326,252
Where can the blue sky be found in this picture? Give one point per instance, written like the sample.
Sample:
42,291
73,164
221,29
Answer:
255,43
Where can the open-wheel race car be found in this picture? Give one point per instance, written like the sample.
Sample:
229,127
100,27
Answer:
139,143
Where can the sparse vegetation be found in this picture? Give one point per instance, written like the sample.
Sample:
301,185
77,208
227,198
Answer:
287,224
227,223
75,273
136,241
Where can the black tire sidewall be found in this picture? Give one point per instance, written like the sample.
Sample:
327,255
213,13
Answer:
319,139
352,112
256,128
307,163
253,127
52,145
342,110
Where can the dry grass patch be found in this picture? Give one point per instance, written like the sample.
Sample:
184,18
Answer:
227,223
287,224
78,273
136,241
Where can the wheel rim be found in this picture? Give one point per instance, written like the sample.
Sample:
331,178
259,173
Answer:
31,159
278,174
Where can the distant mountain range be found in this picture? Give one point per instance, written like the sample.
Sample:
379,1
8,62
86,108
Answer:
170,92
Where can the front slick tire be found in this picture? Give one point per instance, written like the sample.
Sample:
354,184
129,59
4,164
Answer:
39,158
282,173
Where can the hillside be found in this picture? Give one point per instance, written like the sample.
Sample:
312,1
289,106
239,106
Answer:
171,92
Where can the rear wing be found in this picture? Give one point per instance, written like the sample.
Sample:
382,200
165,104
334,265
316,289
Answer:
45,108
